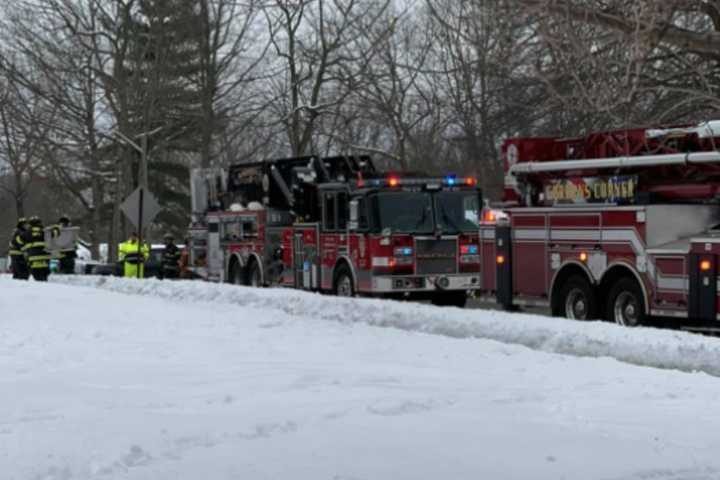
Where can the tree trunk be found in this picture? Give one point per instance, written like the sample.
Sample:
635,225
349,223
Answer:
19,196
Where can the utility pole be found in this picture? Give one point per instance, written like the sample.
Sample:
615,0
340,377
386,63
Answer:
142,149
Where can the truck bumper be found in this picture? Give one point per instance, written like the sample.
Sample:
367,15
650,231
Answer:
424,283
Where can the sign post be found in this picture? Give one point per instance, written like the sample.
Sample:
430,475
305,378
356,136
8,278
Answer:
140,207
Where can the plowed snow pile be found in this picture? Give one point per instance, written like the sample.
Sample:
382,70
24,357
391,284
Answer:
646,347
115,379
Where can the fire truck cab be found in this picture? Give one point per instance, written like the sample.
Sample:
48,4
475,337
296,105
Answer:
621,225
335,224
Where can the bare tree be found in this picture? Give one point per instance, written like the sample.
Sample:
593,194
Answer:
690,25
394,90
315,43
622,63
74,151
481,64
25,120
230,55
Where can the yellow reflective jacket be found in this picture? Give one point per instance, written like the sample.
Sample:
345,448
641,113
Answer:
16,243
128,252
35,250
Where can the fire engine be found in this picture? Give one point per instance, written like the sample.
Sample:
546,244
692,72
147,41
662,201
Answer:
336,224
622,225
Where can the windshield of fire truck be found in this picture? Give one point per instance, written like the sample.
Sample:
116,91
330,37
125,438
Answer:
458,211
402,212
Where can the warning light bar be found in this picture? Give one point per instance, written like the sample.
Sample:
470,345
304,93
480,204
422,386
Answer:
468,249
396,181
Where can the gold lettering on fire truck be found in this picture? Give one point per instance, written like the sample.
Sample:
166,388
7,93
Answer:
587,190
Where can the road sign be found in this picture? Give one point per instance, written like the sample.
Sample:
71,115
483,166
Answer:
140,207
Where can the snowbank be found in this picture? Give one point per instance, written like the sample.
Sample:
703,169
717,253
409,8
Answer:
644,346
99,385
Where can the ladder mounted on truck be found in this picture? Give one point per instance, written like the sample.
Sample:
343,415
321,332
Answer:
291,183
640,165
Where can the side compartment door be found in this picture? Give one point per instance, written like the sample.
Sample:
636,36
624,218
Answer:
529,240
702,291
306,258
299,259
215,256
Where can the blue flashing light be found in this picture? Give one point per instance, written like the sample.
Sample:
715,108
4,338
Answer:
403,251
450,179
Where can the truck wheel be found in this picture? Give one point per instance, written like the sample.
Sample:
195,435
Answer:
253,275
576,299
236,274
625,303
450,299
343,285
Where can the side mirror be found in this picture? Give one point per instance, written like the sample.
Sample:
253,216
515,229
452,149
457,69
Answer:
354,214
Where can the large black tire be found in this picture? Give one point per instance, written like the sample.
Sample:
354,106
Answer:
576,300
453,298
343,285
254,278
625,305
236,274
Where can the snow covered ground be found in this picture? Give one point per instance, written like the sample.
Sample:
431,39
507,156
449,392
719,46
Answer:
120,379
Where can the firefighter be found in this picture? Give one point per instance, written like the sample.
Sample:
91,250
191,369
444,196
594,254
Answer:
170,267
36,254
67,256
17,258
133,256
185,260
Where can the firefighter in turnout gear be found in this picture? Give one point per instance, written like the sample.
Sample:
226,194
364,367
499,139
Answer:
17,258
170,267
133,256
66,256
38,259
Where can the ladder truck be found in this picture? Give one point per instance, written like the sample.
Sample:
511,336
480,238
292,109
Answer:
619,225
337,225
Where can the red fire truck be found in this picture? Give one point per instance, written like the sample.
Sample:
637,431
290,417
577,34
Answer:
622,225
335,224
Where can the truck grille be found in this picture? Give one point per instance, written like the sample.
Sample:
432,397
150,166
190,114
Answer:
436,256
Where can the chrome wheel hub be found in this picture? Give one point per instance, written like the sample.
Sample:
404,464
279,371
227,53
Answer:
576,305
344,287
626,310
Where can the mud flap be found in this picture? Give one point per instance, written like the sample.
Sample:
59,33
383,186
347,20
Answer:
503,265
702,291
